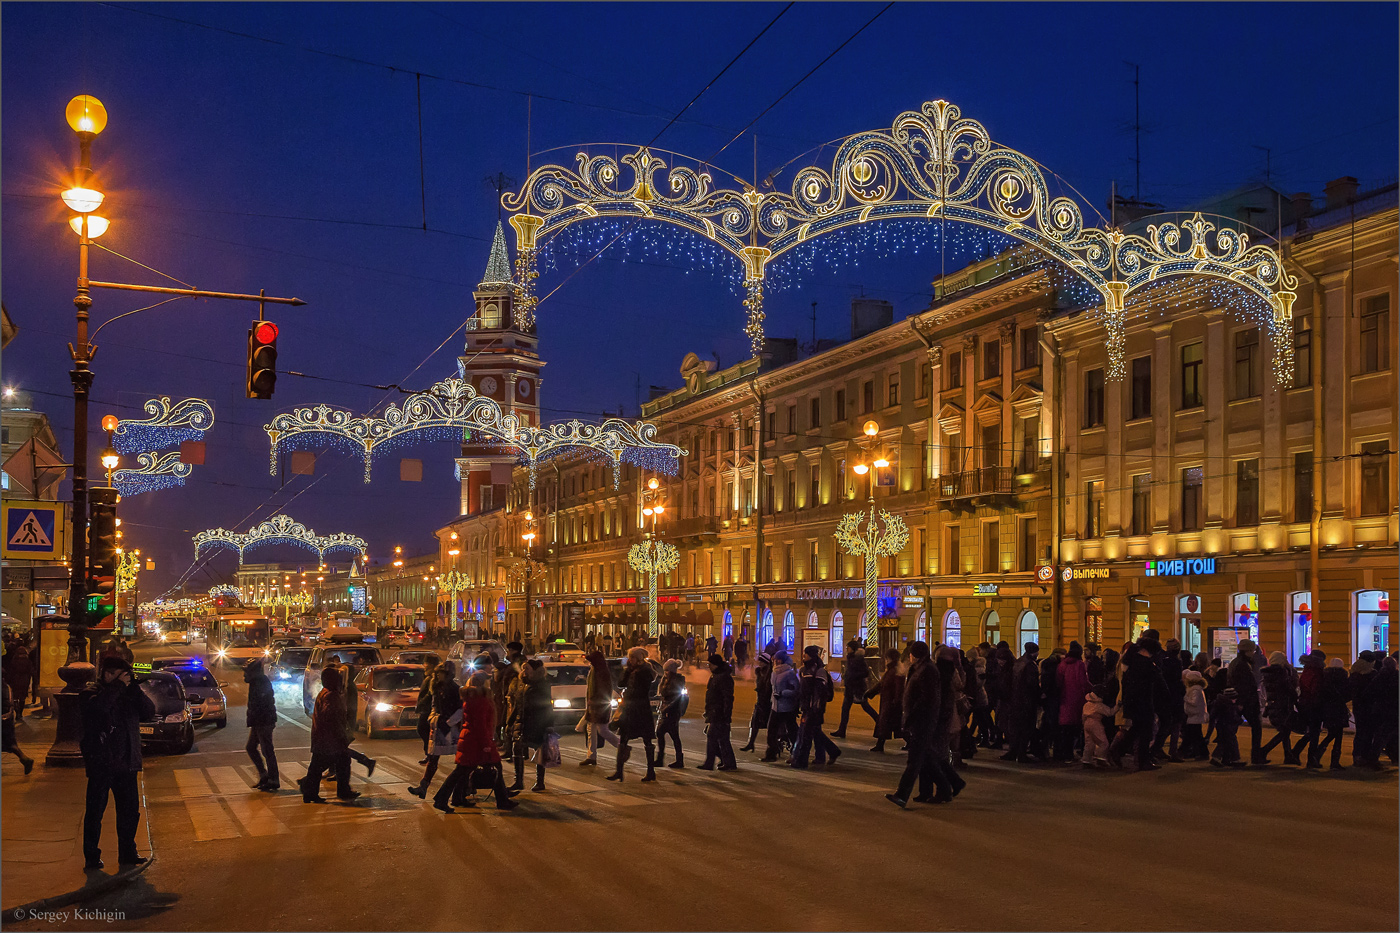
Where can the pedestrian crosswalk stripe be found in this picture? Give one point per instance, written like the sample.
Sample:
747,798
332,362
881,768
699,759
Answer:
570,784
255,815
227,780
192,783
209,820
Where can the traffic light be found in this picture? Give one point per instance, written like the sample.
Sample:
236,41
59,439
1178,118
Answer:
262,359
102,555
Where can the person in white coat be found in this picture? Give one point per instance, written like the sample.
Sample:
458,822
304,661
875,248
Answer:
1096,713
1193,740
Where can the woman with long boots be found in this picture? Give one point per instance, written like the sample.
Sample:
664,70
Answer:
763,695
674,700
598,706
444,722
476,748
634,713
532,706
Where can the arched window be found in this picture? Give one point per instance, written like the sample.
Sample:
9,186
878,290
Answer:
952,629
921,627
789,631
1027,629
862,635
729,624
812,619
765,630
838,635
991,624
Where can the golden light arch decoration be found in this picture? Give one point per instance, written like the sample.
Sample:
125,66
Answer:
932,163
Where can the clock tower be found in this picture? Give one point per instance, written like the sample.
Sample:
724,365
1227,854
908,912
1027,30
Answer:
501,361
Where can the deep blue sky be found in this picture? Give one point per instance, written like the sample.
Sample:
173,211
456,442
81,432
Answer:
237,164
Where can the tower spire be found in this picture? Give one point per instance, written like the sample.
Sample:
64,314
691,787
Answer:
498,265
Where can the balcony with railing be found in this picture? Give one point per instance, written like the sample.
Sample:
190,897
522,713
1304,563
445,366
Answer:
970,488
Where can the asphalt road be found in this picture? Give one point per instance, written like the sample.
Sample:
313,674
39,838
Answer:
763,848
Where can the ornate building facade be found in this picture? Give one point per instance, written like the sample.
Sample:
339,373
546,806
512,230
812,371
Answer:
1044,503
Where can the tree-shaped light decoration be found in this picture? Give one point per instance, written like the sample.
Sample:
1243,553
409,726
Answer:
653,558
872,542
452,583
127,569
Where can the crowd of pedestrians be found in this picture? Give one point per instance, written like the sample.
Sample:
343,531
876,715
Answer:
1150,703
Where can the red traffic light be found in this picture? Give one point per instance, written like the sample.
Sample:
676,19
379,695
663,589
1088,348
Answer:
265,332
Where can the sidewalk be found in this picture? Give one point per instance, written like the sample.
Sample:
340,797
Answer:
41,830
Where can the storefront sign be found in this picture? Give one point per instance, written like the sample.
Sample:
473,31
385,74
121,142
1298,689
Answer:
1084,573
694,598
1197,566
984,589
1045,573
840,594
913,602
18,578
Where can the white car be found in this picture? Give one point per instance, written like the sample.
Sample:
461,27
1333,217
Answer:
568,688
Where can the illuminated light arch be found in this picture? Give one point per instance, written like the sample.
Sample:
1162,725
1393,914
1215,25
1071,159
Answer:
931,164
453,406
185,420
279,529
153,471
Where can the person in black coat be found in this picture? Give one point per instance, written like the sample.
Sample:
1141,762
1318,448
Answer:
1333,714
763,697
1171,714
814,691
674,700
424,706
634,718
923,692
855,680
262,718
1140,691
1243,678
1049,704
113,707
719,713
1094,665
1021,703
531,709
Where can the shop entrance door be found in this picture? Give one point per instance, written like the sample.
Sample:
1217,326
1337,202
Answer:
1188,614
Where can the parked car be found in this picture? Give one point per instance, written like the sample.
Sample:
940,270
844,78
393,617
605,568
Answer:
353,655
170,729
396,638
387,698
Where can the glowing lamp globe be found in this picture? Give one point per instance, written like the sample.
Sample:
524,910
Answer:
861,469
96,226
83,200
652,483
109,422
85,114
110,459
871,428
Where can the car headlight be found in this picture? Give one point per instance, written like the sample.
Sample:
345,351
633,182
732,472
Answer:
221,653
267,652
613,703
175,717
283,675
383,707
561,703
685,692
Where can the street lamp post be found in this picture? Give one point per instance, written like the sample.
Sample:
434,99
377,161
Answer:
652,556
872,543
87,117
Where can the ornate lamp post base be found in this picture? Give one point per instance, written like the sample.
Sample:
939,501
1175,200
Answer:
65,752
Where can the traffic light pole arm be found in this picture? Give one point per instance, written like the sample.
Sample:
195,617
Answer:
181,293
196,293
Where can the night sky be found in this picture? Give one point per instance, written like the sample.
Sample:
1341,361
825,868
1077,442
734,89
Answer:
276,146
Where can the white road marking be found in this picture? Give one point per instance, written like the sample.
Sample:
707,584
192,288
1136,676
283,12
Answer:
209,820
192,782
257,818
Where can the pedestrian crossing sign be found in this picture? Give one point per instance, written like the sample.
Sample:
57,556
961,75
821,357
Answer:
33,530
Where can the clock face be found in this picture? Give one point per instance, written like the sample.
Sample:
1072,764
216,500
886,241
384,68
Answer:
522,388
489,385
